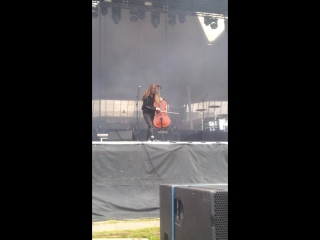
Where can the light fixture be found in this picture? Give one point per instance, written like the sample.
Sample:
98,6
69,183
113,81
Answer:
104,9
182,17
141,14
133,15
116,14
207,20
172,19
214,24
94,12
155,19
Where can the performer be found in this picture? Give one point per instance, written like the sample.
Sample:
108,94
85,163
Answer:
150,96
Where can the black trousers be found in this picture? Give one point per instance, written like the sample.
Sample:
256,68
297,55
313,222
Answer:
149,120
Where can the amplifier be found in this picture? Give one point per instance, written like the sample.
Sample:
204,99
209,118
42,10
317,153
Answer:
121,135
194,212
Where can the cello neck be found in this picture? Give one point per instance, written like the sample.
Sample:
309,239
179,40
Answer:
159,87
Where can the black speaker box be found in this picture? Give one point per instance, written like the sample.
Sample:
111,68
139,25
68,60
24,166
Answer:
121,135
196,212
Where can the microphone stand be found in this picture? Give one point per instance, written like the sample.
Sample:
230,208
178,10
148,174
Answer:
137,109
202,112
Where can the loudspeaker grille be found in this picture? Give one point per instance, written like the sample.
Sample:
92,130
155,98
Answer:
221,215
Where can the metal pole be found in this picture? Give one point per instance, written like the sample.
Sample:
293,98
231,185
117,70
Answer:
99,66
190,114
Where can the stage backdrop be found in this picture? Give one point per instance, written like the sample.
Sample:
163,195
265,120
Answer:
126,175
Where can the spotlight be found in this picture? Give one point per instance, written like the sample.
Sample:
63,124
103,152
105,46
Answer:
116,14
133,16
207,20
141,14
155,19
214,24
182,18
104,10
172,19
94,12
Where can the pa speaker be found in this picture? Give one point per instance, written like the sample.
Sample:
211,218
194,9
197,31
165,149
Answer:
189,212
121,135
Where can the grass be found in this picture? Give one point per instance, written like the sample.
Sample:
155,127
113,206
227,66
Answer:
149,233
127,220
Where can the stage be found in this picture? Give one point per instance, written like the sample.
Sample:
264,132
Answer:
180,136
126,174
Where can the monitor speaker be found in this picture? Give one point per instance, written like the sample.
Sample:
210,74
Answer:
196,212
121,135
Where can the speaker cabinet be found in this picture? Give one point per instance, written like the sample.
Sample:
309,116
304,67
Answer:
193,212
121,135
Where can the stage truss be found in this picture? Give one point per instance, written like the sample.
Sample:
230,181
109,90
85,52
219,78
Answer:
212,8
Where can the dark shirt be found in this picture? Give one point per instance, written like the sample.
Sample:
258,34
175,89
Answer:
147,106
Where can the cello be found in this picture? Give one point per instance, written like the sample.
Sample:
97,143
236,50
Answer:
161,119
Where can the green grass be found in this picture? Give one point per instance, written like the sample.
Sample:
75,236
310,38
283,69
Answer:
150,233
126,220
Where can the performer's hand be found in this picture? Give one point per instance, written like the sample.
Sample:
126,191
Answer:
158,109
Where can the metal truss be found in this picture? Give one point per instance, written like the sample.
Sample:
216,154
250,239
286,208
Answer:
211,8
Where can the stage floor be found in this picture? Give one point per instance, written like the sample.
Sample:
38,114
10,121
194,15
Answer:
146,142
182,136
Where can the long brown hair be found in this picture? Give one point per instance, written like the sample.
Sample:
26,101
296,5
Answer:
147,92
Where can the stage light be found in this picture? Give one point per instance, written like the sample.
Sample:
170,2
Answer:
141,14
116,14
133,16
94,12
182,18
214,24
155,19
207,20
104,10
172,19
